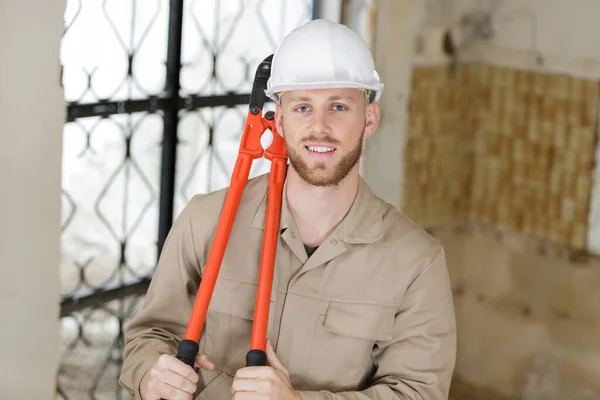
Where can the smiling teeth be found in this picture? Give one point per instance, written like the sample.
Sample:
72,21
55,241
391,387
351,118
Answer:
320,149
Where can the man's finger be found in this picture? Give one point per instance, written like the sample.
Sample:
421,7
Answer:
177,366
172,393
179,382
248,396
204,363
252,385
255,372
272,359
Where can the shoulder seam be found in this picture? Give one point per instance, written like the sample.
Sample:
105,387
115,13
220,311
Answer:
439,249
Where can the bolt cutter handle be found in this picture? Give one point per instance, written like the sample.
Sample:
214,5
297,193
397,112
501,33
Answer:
250,149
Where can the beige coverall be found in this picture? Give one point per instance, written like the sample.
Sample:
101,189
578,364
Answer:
368,316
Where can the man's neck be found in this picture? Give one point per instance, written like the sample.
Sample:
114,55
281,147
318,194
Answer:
317,211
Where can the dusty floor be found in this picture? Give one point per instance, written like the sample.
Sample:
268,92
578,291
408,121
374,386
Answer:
463,391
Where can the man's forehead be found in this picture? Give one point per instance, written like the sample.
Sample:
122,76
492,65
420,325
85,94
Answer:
324,94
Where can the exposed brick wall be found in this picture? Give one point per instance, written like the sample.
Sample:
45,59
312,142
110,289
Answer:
439,151
503,146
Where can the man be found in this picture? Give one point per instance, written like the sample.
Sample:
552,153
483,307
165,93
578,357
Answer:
361,305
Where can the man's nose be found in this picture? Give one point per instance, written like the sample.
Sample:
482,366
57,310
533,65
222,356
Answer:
320,122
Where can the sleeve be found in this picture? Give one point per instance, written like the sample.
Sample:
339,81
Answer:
160,325
418,362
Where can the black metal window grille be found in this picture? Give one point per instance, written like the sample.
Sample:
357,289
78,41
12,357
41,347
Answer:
157,94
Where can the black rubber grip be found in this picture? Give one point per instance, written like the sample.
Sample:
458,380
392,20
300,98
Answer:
256,358
188,350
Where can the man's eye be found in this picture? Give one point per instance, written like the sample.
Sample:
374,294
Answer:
302,109
339,107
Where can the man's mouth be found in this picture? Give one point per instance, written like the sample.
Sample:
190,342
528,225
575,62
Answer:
320,149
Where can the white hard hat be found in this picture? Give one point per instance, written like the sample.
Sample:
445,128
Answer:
322,54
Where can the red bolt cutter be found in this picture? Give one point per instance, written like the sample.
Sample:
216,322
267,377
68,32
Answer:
250,149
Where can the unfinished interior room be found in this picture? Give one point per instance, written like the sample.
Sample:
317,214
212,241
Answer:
115,114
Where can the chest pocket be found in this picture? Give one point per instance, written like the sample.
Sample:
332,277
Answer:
229,321
343,342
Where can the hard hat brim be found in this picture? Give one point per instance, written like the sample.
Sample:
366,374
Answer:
271,92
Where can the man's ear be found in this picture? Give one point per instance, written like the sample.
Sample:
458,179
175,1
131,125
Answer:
372,119
279,120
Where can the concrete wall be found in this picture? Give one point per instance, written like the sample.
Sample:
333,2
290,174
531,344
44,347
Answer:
526,297
553,43
565,34
31,118
528,314
392,47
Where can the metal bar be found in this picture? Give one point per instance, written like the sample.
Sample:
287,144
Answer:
152,104
69,305
227,100
169,145
105,108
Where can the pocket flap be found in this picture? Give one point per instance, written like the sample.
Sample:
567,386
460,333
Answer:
233,298
365,321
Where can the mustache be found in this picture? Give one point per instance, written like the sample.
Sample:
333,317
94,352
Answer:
321,139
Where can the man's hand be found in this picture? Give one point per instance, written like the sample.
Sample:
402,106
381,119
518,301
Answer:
169,378
264,383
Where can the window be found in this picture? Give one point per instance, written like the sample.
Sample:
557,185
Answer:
122,183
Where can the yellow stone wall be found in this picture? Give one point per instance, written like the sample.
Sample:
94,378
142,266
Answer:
502,146
439,148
